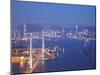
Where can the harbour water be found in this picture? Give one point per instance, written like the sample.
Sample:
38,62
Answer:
77,55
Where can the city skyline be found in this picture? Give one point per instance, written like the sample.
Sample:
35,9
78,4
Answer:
50,37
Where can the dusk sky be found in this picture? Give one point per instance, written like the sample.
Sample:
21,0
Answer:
47,13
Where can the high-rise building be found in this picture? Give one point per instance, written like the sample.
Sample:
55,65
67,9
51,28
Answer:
76,28
24,30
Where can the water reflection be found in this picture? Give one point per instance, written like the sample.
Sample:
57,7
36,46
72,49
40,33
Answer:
71,55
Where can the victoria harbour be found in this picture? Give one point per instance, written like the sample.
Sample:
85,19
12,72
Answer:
70,53
50,37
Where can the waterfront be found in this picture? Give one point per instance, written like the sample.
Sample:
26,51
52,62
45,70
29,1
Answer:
43,40
77,55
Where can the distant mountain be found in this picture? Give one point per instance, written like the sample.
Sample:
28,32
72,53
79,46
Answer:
39,28
30,28
33,27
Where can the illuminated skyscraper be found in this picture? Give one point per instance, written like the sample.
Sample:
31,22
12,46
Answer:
24,30
76,28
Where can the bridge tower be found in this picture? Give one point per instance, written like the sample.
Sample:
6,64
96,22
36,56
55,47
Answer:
30,50
43,45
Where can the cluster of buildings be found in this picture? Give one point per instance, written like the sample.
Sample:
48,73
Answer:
51,33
